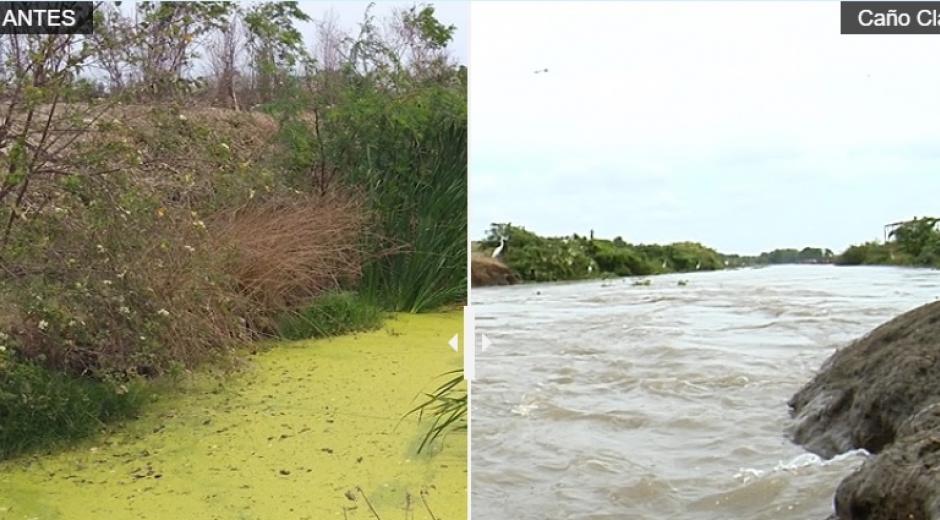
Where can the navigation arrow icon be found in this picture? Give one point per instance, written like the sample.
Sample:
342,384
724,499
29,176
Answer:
485,342
453,343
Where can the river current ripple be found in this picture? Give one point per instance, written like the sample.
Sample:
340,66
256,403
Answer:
605,400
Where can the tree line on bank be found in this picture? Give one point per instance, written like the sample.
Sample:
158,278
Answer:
543,259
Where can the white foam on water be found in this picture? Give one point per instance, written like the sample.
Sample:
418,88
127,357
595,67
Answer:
805,460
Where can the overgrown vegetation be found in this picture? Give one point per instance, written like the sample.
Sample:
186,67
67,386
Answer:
807,255
40,406
331,314
177,183
914,243
546,259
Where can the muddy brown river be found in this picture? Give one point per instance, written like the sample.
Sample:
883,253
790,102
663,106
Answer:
606,400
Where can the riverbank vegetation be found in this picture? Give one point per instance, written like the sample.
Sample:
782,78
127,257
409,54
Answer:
547,259
529,257
913,243
193,177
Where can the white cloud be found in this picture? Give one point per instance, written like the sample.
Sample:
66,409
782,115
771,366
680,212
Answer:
681,120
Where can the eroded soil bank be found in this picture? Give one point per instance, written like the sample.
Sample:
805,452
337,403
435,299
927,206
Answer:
308,422
487,271
880,394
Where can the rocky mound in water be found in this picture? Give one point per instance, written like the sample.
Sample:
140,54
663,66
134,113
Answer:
902,481
881,393
485,271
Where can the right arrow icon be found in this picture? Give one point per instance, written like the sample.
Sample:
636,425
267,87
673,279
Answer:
485,342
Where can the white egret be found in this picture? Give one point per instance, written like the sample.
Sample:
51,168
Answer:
502,244
698,265
664,264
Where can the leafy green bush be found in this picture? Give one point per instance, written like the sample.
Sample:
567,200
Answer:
331,314
876,253
855,254
40,407
546,259
915,242
621,260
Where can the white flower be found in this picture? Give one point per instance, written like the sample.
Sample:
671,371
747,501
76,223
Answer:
106,282
3,348
43,324
124,310
189,248
163,312
100,248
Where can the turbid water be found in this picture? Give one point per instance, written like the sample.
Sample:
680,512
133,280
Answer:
290,438
605,400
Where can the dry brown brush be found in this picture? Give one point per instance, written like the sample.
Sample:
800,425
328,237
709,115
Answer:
282,252
184,245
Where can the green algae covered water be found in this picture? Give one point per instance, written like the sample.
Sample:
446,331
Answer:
293,437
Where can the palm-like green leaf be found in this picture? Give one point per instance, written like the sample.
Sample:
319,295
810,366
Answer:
447,405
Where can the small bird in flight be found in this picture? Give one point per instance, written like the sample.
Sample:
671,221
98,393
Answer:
541,71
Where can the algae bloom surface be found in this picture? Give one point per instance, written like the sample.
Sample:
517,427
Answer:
291,438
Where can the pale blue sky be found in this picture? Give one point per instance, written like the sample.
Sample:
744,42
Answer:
746,126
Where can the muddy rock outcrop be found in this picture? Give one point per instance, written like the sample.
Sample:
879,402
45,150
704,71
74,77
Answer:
486,271
903,481
881,393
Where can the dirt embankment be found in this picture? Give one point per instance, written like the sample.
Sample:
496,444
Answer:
881,393
487,271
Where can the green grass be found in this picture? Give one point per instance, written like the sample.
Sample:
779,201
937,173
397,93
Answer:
331,314
40,408
447,406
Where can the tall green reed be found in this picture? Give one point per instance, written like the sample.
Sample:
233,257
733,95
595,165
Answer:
418,189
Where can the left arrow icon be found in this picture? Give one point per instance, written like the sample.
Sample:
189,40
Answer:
453,343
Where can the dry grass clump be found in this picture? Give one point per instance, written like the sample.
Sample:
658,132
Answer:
284,251
163,287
